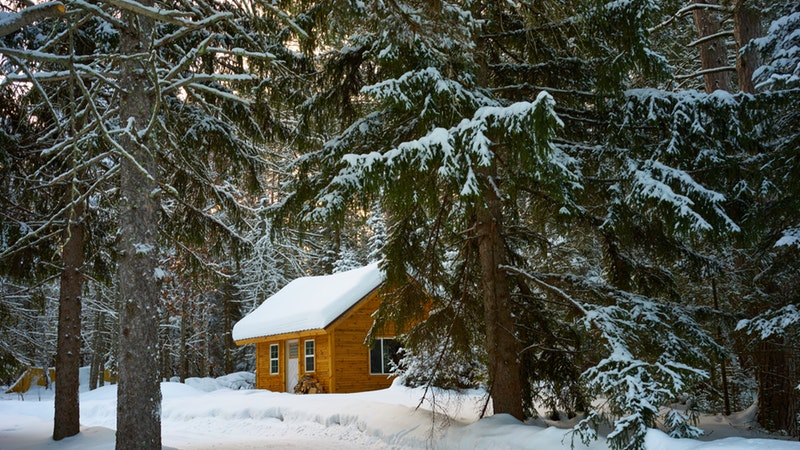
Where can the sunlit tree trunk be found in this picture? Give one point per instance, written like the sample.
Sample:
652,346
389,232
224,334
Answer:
139,391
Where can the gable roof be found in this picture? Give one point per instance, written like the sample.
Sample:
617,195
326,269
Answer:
309,303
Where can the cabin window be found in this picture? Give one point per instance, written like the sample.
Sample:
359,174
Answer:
309,355
382,355
273,359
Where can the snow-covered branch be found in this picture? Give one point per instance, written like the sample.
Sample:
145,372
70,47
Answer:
771,323
555,290
688,9
162,15
11,22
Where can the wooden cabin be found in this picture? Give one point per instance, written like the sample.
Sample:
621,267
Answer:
33,376
317,326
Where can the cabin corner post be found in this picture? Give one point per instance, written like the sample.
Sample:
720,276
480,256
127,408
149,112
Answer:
332,362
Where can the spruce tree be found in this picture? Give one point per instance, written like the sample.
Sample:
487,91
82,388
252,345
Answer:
50,183
440,172
541,204
186,76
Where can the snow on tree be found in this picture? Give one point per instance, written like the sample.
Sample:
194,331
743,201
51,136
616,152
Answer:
780,50
182,139
609,212
580,216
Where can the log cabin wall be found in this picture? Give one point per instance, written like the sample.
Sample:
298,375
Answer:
322,360
277,382
342,362
265,380
351,355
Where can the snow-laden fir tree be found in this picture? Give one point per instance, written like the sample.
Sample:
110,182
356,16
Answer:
742,146
494,136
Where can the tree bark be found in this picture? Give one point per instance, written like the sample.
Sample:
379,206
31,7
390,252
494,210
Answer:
139,391
746,27
502,346
722,363
183,357
68,355
713,53
98,349
776,371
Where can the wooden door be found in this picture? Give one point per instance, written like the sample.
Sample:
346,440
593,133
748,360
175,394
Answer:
292,365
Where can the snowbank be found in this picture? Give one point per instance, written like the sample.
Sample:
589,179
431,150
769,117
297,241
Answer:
209,413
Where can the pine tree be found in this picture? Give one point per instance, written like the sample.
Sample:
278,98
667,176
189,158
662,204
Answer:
767,253
580,228
438,172
746,145
51,192
183,61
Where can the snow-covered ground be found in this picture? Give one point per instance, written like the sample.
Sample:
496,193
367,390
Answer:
216,414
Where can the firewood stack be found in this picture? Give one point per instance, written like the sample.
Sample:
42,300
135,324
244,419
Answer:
308,385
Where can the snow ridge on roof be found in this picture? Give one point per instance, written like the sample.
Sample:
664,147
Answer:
309,303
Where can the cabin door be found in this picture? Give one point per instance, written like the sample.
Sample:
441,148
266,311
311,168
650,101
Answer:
292,365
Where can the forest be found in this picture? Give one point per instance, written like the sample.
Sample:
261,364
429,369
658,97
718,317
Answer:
600,198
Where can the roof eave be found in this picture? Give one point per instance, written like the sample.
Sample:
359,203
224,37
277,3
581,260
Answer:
282,336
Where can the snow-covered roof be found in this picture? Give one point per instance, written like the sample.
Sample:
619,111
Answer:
309,303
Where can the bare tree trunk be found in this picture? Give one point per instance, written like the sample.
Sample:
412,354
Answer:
183,357
778,402
228,320
139,391
203,339
98,349
723,366
502,346
93,364
713,54
68,356
164,342
746,27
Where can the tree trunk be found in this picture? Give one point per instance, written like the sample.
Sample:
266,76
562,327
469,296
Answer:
139,391
166,373
723,366
502,346
713,53
228,321
778,403
94,365
68,356
746,27
183,357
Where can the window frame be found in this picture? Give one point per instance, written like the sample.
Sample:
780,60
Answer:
274,361
312,357
379,344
